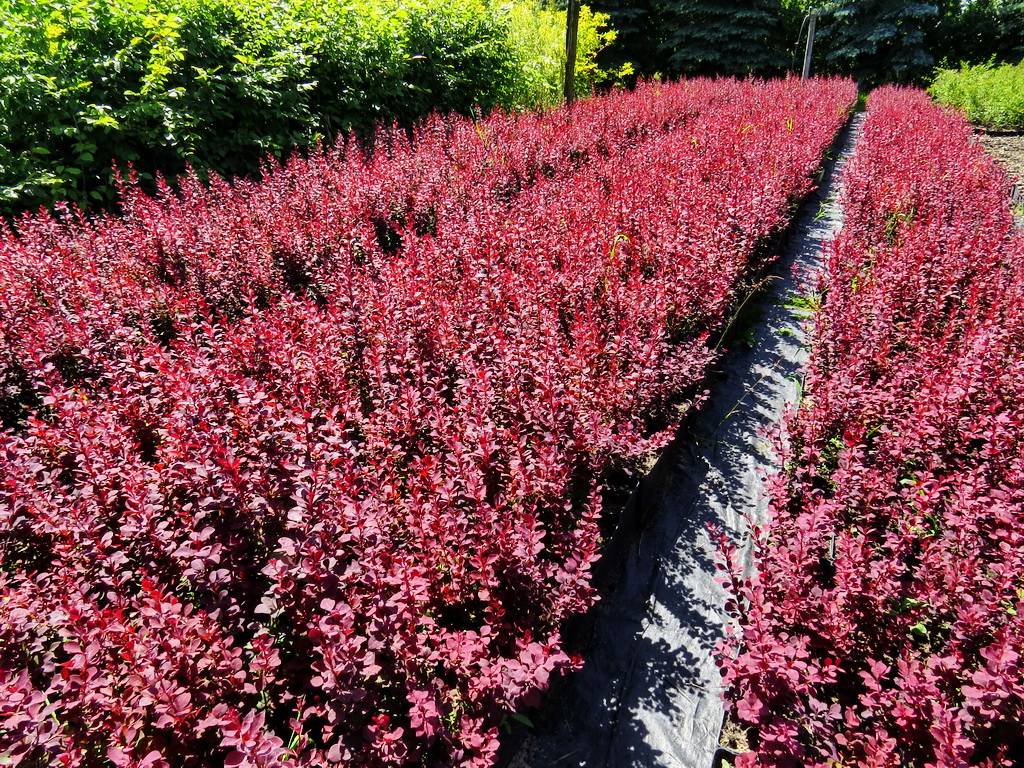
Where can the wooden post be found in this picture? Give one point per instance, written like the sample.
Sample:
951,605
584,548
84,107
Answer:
809,50
572,24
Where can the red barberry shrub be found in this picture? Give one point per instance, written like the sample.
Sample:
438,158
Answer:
884,625
308,471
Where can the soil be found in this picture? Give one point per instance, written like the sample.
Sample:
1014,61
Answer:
1008,151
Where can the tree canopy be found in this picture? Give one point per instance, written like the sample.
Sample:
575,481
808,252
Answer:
874,40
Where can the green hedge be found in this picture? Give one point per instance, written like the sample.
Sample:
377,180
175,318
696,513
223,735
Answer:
991,96
537,33
220,84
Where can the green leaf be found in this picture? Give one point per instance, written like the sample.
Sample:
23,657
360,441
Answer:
104,121
522,719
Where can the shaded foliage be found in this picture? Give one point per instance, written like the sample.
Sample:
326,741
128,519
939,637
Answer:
725,38
978,31
878,41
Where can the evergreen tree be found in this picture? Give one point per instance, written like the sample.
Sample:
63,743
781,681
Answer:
968,32
1011,30
637,40
878,40
946,38
718,37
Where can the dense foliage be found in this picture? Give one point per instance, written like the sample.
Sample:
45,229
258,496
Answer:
992,96
637,35
671,37
878,41
307,471
721,37
220,84
875,40
978,31
885,623
537,32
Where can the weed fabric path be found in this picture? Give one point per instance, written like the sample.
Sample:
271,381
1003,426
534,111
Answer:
649,694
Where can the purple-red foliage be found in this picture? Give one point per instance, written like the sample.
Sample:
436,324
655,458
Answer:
308,471
885,624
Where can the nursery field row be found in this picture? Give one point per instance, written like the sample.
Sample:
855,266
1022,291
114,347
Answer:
885,625
309,471
226,248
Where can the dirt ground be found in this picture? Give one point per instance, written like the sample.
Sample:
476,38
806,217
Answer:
1008,150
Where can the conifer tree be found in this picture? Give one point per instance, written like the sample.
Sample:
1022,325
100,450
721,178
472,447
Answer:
637,39
1011,30
722,38
878,40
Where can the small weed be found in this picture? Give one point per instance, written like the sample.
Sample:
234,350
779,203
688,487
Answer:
803,305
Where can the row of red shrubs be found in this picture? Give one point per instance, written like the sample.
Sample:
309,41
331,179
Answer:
885,624
224,248
307,471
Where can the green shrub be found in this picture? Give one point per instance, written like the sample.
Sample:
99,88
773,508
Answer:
221,84
84,82
537,32
991,96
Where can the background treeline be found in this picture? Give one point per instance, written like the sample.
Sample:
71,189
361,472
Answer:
221,84
874,40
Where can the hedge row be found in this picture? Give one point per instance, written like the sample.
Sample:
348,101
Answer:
885,624
289,482
221,84
990,96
